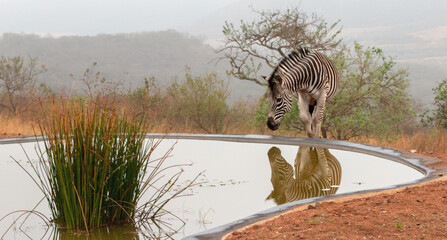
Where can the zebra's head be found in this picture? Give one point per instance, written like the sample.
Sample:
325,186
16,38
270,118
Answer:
280,101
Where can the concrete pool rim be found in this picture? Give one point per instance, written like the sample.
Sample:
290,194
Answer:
415,161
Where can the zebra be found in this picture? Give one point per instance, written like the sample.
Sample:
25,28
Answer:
312,79
317,173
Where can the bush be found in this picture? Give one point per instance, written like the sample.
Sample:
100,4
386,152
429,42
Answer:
372,98
144,99
199,101
438,115
18,78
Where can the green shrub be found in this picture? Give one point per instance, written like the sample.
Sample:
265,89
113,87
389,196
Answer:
198,101
438,115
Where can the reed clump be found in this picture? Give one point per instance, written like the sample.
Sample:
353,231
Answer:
96,161
94,166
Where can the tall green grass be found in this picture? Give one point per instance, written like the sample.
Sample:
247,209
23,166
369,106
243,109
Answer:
94,166
96,163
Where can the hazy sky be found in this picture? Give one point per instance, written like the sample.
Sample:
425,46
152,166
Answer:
206,17
87,17
396,25
113,16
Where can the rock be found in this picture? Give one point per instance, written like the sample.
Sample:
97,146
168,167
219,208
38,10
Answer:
413,151
236,233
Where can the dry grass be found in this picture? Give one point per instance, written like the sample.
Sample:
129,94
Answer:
423,140
15,126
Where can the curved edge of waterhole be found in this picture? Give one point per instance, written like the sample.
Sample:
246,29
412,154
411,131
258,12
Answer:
415,161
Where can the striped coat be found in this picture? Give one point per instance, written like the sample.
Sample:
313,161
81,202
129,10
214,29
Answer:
310,77
316,173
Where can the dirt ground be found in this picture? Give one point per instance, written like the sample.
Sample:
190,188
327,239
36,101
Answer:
416,212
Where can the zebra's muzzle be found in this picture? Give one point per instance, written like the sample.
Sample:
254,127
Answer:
271,124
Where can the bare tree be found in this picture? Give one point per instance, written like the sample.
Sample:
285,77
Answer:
271,37
17,81
94,85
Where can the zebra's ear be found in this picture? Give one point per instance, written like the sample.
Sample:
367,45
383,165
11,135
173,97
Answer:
266,78
278,79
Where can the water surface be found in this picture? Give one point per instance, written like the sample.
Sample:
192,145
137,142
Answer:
238,179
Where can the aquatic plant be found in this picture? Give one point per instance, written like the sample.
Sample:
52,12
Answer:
94,166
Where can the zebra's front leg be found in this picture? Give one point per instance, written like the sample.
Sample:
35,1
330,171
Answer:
318,114
306,118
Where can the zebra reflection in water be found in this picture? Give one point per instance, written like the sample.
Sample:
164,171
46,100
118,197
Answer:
316,172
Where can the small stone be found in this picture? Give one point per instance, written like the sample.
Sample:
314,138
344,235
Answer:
311,207
440,174
431,152
413,151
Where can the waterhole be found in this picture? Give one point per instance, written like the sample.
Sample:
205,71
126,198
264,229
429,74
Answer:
237,179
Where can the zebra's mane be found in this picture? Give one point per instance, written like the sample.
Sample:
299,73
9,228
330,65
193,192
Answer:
290,60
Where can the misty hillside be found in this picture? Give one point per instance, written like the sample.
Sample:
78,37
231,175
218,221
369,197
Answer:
129,57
